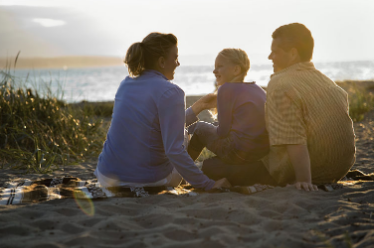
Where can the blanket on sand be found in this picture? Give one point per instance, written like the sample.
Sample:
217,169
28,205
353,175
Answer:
23,191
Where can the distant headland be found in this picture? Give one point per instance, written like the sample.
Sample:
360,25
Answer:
60,62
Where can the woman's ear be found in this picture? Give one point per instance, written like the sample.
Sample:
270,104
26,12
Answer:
161,62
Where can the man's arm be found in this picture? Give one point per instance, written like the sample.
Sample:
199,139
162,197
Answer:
300,160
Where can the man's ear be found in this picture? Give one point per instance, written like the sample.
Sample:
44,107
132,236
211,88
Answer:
161,62
294,54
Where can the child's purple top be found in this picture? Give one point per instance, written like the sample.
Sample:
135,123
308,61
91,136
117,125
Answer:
241,114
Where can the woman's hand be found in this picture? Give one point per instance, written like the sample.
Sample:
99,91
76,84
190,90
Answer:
209,101
206,102
222,183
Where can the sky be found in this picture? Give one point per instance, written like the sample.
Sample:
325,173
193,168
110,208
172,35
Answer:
343,30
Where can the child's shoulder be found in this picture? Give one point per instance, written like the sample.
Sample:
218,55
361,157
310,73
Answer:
238,86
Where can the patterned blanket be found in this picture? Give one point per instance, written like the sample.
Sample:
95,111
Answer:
23,191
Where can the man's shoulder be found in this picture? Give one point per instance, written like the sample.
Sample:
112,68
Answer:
280,82
295,79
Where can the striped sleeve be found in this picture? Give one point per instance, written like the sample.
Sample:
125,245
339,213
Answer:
284,118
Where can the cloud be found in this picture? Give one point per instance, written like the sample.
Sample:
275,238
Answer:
49,22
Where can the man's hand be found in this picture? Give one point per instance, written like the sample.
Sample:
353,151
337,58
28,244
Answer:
222,183
304,186
206,102
299,157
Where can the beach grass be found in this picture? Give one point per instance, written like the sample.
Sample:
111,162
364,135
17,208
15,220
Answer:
39,133
360,97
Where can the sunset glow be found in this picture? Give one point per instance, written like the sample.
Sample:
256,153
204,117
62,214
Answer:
108,28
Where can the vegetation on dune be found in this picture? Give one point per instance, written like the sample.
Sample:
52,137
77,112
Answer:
39,132
360,97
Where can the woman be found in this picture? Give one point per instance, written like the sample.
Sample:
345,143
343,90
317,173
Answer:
240,137
145,142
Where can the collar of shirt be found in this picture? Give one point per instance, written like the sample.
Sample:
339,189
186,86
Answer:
152,73
302,66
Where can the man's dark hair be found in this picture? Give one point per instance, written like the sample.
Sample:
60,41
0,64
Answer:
298,36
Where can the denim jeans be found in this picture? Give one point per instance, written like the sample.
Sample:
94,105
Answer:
205,135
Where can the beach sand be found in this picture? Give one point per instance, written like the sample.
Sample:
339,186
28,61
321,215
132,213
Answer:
279,217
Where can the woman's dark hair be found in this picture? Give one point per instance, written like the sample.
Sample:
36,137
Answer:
298,36
143,55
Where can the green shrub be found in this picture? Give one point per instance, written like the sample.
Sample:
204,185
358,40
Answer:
39,133
360,97
360,102
97,109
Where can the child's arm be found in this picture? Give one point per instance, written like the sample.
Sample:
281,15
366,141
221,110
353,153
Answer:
225,105
299,157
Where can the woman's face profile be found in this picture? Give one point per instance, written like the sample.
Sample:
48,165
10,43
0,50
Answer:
170,63
224,70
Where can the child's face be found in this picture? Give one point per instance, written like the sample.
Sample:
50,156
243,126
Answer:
224,70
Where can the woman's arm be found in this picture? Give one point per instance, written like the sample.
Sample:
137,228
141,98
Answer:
206,102
172,121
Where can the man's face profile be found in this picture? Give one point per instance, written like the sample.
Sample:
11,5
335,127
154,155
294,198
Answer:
281,58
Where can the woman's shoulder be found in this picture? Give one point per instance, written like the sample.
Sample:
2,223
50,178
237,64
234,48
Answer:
171,90
157,81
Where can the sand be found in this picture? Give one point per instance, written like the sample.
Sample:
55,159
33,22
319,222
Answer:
279,217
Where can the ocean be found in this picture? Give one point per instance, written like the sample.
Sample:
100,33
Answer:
101,83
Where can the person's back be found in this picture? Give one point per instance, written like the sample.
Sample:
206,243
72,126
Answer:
241,115
145,142
321,107
310,131
133,147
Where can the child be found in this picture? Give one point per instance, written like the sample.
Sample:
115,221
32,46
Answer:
240,137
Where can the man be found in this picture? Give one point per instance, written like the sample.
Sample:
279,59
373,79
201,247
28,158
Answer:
311,134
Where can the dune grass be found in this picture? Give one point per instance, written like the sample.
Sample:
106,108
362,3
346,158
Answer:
40,133
360,97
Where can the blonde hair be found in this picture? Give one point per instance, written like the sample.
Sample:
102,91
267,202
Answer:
143,55
237,57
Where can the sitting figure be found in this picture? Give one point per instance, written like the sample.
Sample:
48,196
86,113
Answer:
240,139
145,145
311,134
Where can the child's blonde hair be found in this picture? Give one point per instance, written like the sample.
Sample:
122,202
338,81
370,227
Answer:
237,57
